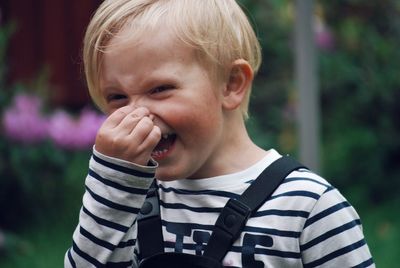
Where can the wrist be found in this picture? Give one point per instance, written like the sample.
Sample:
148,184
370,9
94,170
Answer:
152,164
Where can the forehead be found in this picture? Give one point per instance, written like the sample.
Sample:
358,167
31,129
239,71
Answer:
157,41
136,57
149,48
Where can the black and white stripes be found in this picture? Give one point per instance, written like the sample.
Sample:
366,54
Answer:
305,223
106,234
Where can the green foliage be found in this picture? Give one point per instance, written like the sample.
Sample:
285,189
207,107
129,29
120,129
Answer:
359,89
39,246
39,181
5,33
380,225
270,100
360,86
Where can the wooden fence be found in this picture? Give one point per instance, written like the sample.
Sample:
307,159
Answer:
49,36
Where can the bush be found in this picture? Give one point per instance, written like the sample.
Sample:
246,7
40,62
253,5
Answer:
358,44
44,156
360,87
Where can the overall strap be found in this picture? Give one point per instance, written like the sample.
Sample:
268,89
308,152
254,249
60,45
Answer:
149,232
230,222
236,212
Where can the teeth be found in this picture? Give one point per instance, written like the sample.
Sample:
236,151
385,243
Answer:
165,136
159,153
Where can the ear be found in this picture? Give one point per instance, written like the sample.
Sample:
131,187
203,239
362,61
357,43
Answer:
238,84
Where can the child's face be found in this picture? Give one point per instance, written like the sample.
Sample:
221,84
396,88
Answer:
162,74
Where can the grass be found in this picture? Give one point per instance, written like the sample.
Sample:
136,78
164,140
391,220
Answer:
44,245
382,231
41,246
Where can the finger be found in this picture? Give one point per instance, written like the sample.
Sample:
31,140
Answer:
119,115
148,144
129,122
142,130
152,139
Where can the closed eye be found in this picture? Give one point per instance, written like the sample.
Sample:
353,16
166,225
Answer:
161,89
115,97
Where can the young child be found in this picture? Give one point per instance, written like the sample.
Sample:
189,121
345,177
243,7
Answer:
174,76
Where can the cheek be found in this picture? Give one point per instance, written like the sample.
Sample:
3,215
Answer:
200,125
192,119
197,112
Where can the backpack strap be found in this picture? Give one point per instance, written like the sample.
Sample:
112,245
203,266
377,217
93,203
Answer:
236,212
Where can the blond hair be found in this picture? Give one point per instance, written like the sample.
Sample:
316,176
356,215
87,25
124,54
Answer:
217,29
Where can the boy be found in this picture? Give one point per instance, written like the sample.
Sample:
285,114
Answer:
174,76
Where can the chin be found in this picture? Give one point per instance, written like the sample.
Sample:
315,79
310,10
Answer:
164,174
165,179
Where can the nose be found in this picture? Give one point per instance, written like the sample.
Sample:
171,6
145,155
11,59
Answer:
145,102
139,108
151,106
136,103
145,106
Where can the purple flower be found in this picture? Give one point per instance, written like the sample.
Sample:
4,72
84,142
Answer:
324,38
89,123
74,133
23,121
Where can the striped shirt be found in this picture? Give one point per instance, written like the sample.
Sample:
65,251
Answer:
305,223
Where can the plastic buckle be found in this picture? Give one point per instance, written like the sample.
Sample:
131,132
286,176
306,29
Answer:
150,207
233,217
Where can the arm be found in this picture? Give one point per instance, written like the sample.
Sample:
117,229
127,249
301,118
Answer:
115,188
333,236
106,233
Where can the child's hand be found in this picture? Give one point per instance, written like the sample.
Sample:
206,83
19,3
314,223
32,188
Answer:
128,134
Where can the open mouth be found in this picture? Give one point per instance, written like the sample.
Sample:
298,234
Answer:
164,146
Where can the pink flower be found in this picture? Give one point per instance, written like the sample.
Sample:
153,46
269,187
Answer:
89,123
324,38
23,120
74,133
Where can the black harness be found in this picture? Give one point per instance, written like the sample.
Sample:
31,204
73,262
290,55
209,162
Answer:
227,228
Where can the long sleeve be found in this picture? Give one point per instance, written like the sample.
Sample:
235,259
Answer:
114,193
333,236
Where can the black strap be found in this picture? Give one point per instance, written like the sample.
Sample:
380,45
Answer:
236,212
230,222
149,234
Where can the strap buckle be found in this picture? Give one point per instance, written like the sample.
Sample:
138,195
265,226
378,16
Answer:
150,207
233,217
228,227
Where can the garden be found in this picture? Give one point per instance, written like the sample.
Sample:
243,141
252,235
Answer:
44,150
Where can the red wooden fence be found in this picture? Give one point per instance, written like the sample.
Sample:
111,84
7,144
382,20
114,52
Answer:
49,35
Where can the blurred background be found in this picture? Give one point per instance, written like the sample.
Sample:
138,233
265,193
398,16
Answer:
48,123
